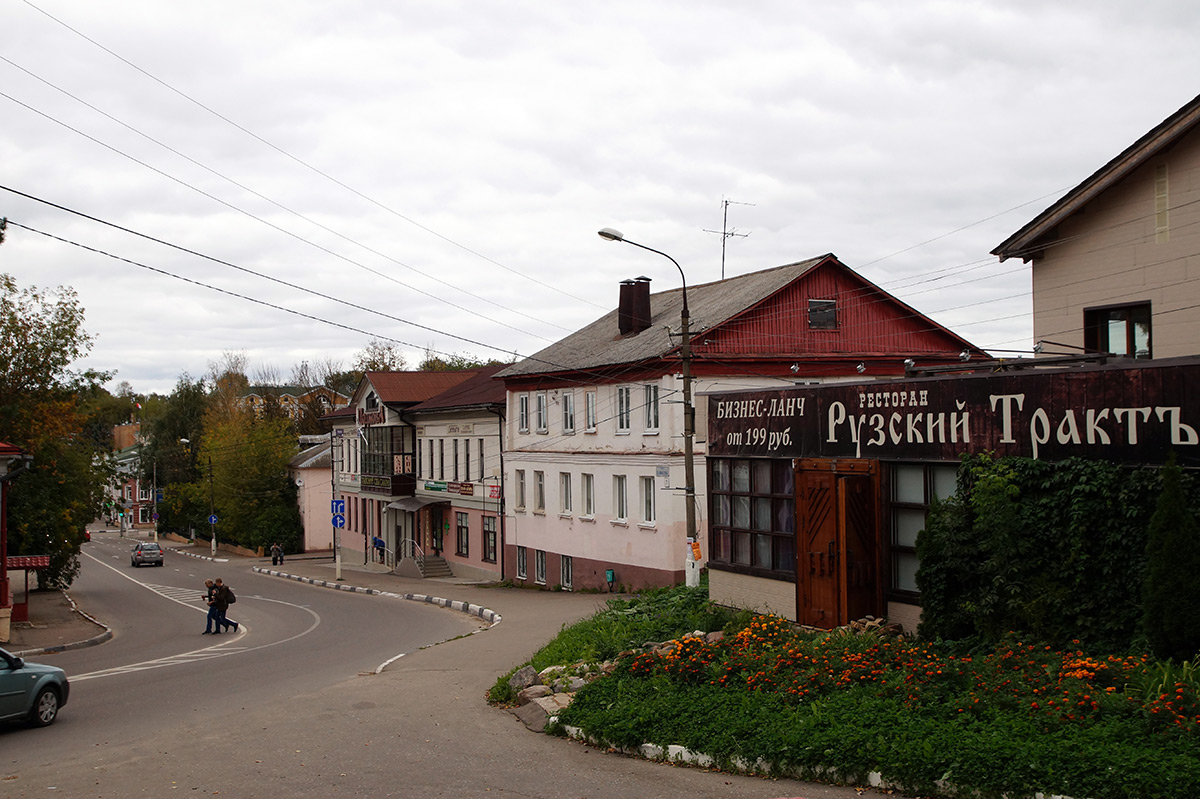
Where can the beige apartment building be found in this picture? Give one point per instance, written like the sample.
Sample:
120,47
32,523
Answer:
1116,261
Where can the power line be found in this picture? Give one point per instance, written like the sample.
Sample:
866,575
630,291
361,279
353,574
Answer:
304,163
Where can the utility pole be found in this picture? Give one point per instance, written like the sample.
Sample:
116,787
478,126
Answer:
211,513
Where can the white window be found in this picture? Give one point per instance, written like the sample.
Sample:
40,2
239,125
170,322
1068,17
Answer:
520,500
567,572
620,499
624,395
539,492
467,459
539,565
541,412
647,486
587,487
650,398
568,410
441,459
523,413
522,568
589,411
564,492
454,444
143,493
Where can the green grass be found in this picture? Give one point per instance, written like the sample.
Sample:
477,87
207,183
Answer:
1015,720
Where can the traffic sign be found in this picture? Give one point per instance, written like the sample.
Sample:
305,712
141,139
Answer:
339,520
212,519
337,506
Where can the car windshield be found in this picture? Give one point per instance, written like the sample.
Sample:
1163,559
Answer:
148,547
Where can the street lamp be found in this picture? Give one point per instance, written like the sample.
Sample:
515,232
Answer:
691,573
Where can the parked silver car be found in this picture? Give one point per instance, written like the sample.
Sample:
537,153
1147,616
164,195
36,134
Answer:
31,692
146,552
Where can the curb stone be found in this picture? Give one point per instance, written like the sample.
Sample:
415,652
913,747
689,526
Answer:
93,641
492,617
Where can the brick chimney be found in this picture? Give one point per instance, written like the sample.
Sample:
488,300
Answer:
633,309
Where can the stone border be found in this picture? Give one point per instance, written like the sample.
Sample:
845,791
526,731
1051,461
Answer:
492,617
680,755
93,641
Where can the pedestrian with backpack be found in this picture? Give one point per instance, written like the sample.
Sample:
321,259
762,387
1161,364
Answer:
223,597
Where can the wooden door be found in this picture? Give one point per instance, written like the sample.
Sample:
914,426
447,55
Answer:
837,557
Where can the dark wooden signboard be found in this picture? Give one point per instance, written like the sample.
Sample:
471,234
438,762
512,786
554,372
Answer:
1133,414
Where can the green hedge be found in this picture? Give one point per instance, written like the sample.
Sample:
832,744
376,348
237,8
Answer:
1054,550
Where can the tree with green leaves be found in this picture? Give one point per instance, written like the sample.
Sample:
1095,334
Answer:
42,410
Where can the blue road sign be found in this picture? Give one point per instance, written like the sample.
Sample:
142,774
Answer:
212,519
339,520
337,506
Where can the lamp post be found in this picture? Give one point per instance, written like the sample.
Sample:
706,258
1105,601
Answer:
691,572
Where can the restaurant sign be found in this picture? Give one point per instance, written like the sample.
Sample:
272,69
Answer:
1133,414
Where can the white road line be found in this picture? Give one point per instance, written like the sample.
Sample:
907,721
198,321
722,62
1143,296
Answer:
217,650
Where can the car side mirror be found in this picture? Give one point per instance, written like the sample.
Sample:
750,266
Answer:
18,664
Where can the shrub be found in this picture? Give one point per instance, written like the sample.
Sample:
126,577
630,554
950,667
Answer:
1171,592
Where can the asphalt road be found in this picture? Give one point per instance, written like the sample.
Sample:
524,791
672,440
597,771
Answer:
160,679
297,705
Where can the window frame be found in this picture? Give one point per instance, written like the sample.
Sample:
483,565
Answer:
650,403
620,499
539,566
1098,327
587,491
522,563
462,523
624,413
589,412
566,572
539,491
647,500
519,490
895,550
487,541
728,537
522,413
822,314
564,494
568,412
540,413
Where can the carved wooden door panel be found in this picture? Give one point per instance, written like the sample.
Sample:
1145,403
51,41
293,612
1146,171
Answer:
817,583
856,503
837,554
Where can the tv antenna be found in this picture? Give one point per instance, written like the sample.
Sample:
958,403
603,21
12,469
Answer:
725,232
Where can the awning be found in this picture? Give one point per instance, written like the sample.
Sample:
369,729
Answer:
415,503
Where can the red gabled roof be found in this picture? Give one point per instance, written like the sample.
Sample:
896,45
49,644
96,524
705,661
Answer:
9,449
411,387
474,392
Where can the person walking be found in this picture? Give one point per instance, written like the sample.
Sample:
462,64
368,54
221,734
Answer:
276,554
209,591
223,597
379,545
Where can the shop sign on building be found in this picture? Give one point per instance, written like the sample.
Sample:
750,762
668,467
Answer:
1133,414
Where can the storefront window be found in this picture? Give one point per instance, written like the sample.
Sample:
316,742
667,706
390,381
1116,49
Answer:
753,516
914,487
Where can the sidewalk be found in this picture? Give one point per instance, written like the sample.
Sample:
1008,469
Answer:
54,625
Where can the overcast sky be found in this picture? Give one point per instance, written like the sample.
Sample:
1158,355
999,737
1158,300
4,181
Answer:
439,170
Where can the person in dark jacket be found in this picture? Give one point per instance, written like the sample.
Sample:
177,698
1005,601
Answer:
221,600
210,589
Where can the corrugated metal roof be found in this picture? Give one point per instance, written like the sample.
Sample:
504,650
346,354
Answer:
482,389
311,458
412,387
709,304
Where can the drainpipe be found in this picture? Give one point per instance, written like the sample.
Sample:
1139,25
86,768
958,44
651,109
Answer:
503,513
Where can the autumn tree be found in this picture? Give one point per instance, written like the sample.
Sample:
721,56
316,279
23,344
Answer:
41,336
